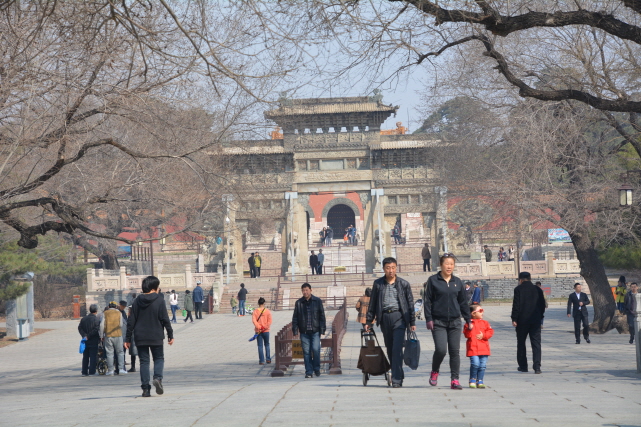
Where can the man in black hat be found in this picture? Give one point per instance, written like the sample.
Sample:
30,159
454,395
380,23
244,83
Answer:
528,308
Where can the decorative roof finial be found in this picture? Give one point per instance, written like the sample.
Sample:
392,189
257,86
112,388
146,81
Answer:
377,97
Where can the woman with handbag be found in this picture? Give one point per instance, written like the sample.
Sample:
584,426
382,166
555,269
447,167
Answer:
262,319
445,304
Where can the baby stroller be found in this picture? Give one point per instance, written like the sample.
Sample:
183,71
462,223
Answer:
249,309
418,309
101,365
372,359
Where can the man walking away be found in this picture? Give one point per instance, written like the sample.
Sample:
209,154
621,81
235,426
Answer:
476,295
329,235
313,263
198,297
392,305
122,305
488,253
577,302
528,308
427,256
309,319
89,329
242,298
252,266
111,333
321,261
147,320
258,262
631,309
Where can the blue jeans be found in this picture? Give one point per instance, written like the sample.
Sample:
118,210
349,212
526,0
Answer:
241,307
173,312
311,355
263,338
477,368
159,362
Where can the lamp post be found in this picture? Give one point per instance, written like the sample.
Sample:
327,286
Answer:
227,198
291,196
378,192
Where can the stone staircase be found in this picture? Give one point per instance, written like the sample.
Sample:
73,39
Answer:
350,257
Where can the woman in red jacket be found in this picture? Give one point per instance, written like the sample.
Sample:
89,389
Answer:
478,334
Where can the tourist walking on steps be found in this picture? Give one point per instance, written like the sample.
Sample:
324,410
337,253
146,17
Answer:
242,298
262,320
392,305
111,333
321,261
189,306
258,263
478,333
148,318
446,301
577,308
252,266
173,304
631,309
427,257
620,292
313,263
528,309
309,320
199,297
89,329
362,305
329,235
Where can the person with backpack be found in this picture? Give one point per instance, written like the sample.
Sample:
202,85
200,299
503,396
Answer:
262,320
147,320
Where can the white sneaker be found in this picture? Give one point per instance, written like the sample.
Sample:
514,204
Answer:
122,372
109,373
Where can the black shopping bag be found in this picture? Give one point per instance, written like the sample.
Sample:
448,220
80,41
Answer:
372,360
412,351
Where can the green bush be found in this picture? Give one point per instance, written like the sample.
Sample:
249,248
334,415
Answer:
626,256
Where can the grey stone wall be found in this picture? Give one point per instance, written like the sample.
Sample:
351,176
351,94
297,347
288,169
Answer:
104,298
560,287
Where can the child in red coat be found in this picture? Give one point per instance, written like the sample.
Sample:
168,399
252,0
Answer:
478,346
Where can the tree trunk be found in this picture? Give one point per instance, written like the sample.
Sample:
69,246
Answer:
107,256
594,274
109,260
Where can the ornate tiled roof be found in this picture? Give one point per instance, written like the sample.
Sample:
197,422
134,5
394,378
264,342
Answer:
323,107
315,106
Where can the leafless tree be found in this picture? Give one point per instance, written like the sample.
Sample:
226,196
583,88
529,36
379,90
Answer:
107,110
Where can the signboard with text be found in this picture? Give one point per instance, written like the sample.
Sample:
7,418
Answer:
297,349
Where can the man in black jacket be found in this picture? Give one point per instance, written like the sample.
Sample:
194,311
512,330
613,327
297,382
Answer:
577,302
147,319
392,305
309,319
528,308
313,263
89,329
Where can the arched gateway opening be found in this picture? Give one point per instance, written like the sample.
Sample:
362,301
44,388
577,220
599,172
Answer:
339,218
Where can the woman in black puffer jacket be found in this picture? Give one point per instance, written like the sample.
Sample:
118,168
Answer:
445,303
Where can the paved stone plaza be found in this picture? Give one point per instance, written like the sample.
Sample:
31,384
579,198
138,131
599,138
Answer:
212,378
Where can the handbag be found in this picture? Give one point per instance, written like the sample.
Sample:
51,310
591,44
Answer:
412,351
256,335
83,343
184,313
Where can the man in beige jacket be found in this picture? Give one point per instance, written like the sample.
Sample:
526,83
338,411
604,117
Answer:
111,334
